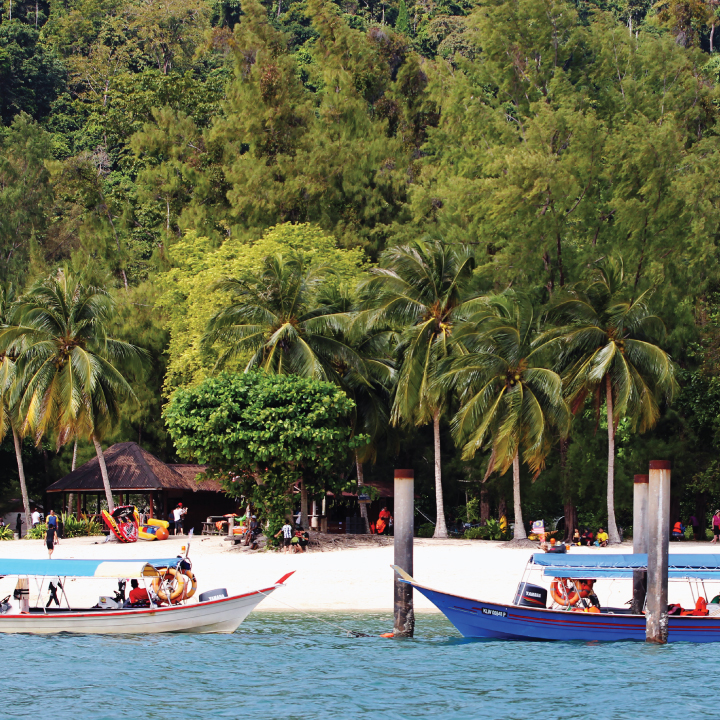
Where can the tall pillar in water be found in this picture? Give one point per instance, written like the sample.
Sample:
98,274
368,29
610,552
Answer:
656,623
404,518
640,539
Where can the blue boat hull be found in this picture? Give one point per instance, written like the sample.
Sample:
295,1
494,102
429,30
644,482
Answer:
478,619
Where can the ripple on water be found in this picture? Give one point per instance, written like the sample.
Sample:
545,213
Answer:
286,665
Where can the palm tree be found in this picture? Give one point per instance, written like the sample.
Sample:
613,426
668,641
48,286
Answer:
9,389
288,323
510,400
606,346
421,290
276,318
72,382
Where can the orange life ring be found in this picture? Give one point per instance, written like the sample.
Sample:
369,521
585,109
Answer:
190,581
560,591
177,585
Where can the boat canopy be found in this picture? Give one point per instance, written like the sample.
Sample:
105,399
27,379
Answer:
680,566
85,568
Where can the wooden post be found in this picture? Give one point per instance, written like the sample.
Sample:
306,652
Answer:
78,505
231,526
656,627
640,540
150,506
403,543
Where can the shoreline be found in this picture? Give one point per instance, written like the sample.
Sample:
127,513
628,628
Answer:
347,580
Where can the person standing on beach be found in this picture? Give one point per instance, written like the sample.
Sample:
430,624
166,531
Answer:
18,525
695,527
35,518
716,526
287,533
51,539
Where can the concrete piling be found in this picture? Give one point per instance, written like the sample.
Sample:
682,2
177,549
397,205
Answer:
640,539
404,519
656,627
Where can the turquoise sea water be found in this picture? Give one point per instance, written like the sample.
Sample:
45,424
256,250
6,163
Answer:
285,665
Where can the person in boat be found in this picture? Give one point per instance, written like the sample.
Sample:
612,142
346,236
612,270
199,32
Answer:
678,532
51,539
138,596
602,538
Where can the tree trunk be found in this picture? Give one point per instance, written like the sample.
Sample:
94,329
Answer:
502,508
103,471
74,463
440,526
712,34
519,532
21,474
484,506
571,520
304,505
361,483
614,535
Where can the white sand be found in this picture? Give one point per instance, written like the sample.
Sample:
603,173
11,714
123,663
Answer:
343,580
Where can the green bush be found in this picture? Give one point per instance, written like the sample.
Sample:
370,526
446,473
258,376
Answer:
6,533
36,533
80,527
476,533
426,530
490,531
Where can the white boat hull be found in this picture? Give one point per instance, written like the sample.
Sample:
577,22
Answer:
216,616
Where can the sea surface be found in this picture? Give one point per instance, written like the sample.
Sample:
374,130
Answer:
290,665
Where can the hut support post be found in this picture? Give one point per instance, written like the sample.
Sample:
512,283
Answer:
640,540
403,544
150,506
656,627
79,510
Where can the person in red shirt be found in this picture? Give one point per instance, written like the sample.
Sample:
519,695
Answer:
138,594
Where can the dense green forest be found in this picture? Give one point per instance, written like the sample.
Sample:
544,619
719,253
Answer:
157,148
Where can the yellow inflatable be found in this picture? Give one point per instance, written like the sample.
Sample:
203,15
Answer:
154,530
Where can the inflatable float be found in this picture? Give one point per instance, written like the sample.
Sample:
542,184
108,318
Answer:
154,530
123,523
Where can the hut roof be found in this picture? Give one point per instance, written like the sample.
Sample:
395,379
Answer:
130,469
190,473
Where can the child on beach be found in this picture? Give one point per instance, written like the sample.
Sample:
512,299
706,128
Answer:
287,533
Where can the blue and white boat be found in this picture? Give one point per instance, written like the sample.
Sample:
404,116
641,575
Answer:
171,604
574,612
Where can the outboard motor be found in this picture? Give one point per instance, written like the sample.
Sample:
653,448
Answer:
528,595
213,595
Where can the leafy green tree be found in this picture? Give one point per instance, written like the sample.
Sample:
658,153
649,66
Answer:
402,24
31,74
25,195
607,347
510,400
70,370
421,291
262,434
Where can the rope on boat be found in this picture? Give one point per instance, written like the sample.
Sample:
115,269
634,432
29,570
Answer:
348,633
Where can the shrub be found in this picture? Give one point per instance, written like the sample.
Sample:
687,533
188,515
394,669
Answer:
490,531
36,533
80,527
6,533
426,530
476,533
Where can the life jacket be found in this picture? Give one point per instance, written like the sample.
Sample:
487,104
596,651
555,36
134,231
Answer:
678,527
380,525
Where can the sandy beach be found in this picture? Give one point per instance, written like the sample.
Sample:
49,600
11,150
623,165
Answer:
357,579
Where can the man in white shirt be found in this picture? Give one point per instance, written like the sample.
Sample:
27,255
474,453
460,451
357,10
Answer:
287,533
178,516
35,518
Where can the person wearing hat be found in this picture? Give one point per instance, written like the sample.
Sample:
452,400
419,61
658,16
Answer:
179,516
716,526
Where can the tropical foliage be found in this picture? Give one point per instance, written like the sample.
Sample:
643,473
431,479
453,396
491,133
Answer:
402,165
